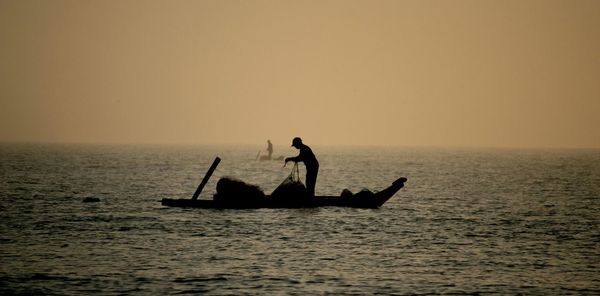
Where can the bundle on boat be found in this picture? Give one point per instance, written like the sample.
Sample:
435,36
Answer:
231,190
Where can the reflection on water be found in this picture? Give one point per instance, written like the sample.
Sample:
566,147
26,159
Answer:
468,221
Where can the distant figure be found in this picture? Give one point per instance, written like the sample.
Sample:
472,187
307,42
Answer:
310,161
269,148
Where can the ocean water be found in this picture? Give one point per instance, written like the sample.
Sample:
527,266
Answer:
469,221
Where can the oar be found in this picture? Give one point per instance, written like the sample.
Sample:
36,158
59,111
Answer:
206,177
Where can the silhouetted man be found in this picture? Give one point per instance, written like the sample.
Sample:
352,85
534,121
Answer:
310,161
269,148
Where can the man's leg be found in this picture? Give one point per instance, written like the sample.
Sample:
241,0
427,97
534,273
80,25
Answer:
311,180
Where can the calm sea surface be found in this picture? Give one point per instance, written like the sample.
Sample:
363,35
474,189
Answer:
467,222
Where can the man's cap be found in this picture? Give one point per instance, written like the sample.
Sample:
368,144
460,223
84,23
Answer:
296,140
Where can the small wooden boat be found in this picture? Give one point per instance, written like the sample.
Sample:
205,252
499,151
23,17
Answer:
252,199
360,200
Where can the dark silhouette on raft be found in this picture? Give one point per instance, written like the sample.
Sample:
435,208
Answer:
269,155
270,148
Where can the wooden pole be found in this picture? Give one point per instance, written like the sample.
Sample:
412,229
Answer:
206,177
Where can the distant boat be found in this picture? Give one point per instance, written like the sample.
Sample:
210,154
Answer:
359,200
266,157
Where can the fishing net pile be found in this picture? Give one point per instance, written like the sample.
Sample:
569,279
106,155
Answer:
235,191
291,188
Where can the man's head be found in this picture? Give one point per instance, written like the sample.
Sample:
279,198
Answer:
297,142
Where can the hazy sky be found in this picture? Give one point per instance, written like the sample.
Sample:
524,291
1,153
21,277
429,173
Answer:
410,73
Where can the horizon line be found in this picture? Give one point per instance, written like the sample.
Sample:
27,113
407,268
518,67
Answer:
344,145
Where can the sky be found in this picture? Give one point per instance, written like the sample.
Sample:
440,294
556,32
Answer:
384,73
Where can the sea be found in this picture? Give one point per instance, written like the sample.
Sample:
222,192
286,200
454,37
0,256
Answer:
468,222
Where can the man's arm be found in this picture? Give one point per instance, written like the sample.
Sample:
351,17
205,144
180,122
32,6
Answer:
294,159
300,158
